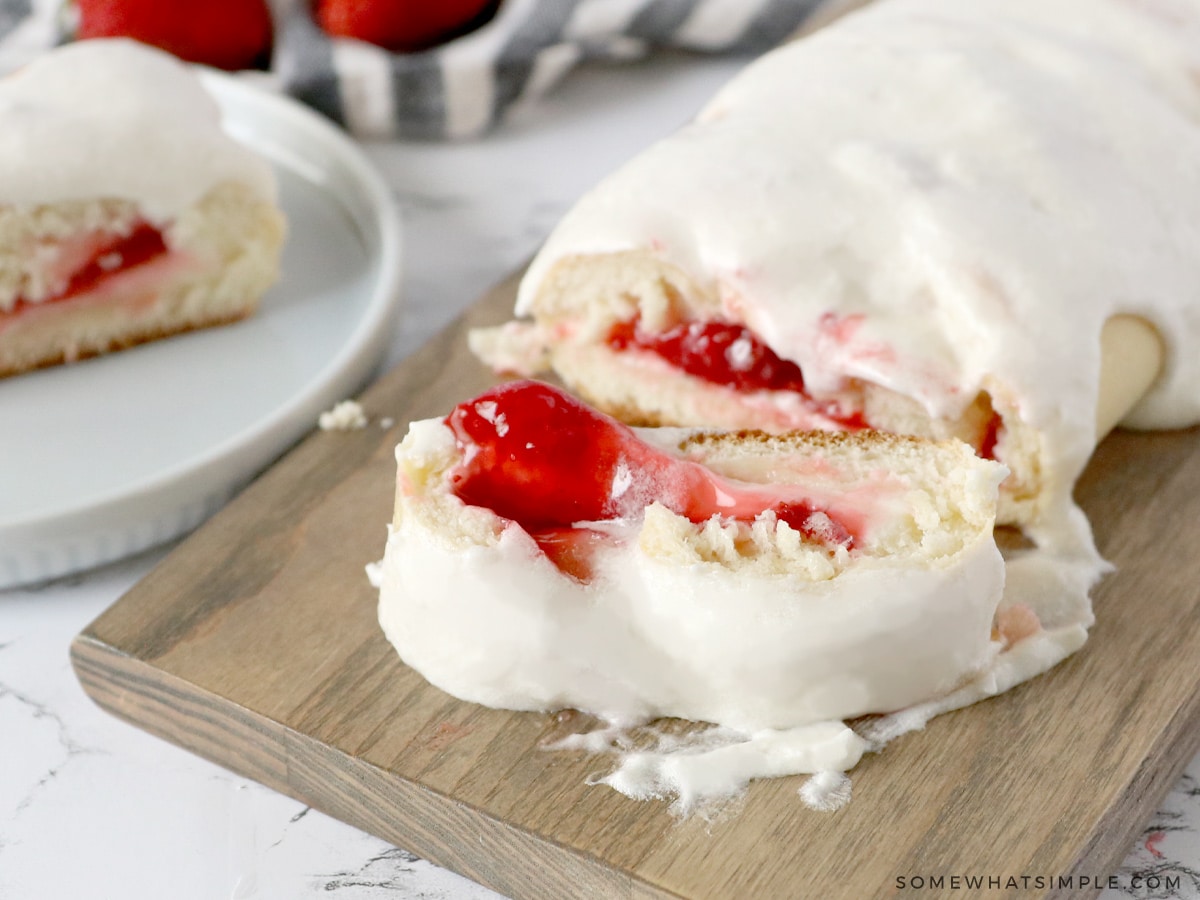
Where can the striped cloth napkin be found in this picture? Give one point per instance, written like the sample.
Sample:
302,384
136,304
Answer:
464,87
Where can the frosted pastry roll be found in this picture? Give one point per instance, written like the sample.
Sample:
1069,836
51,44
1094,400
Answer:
917,220
544,556
127,214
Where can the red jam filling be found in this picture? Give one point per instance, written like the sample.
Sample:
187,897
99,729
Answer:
991,436
116,254
726,354
719,352
534,454
733,356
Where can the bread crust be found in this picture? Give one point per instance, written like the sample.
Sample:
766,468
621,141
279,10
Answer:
125,340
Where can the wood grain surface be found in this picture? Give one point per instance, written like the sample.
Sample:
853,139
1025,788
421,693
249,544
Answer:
255,644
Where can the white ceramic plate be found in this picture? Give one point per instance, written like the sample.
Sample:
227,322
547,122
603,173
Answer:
107,457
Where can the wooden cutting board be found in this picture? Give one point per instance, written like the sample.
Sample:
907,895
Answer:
255,645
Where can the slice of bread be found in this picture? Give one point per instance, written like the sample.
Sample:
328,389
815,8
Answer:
882,595
164,225
218,258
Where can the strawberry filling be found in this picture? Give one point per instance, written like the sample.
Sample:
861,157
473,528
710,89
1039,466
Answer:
534,454
719,352
108,255
991,437
733,356
726,354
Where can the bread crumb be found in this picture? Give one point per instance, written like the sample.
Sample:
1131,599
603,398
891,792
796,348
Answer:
347,415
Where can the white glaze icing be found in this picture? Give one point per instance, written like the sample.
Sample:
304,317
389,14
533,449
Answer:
984,183
116,119
701,770
649,639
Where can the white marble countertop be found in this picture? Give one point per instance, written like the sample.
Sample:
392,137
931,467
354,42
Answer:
92,808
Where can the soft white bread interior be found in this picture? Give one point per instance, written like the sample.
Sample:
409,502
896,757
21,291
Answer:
921,503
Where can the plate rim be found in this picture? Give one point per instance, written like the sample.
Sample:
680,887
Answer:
347,369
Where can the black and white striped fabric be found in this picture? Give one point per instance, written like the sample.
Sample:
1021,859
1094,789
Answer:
464,87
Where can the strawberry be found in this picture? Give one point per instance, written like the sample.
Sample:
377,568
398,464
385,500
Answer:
402,25
227,34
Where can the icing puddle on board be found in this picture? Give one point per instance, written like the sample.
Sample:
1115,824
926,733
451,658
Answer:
699,769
